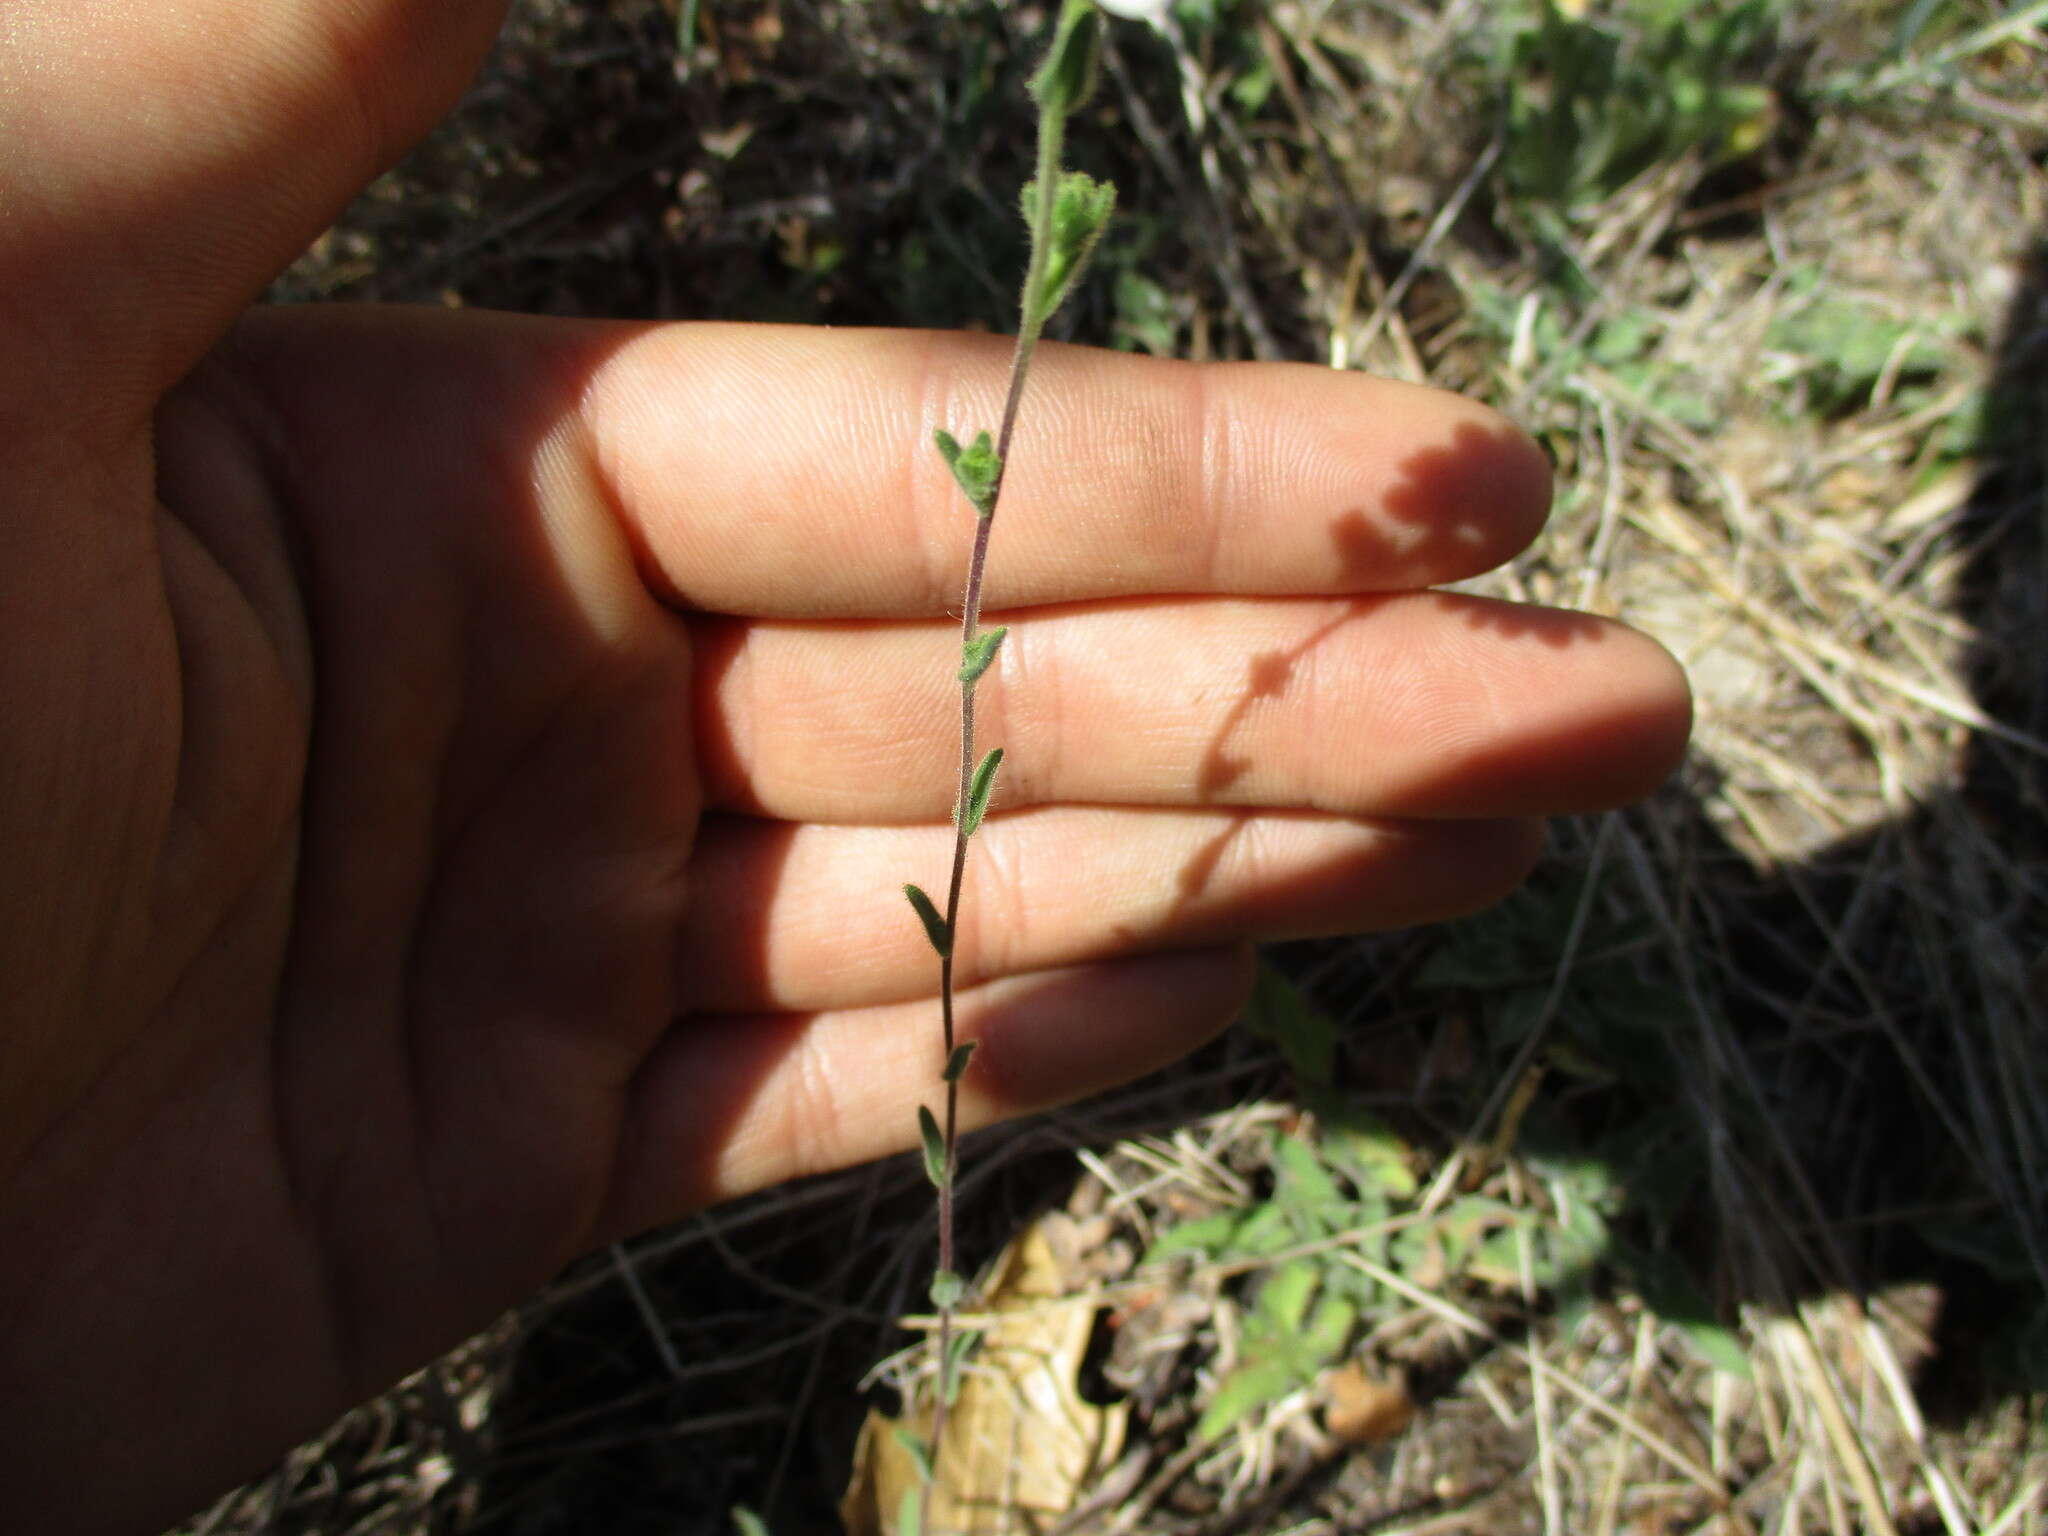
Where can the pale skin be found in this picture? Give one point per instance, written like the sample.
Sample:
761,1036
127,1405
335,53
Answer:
458,769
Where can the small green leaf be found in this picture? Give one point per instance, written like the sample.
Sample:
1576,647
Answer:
956,1064
1204,1236
977,469
1368,1149
920,1453
1264,1231
1286,1293
1304,1186
979,654
1243,1392
910,1513
1460,1228
956,1356
747,1523
1330,1332
947,1289
979,790
1305,1034
1359,1290
1067,76
934,1147
1250,89
935,927
1720,1347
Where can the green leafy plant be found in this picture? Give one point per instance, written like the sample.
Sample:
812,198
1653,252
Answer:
1841,347
1346,1208
1593,100
1349,1228
1626,346
1296,1328
1348,1232
1332,1193
1065,213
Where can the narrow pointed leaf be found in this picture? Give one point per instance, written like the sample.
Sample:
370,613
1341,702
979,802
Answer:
920,1453
956,1356
979,654
935,927
910,1513
947,1289
979,790
956,1064
934,1147
1243,1392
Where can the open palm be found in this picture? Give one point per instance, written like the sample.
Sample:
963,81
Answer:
458,768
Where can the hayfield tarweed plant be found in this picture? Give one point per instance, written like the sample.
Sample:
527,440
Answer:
1065,212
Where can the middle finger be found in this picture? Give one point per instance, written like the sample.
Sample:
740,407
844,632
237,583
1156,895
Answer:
809,917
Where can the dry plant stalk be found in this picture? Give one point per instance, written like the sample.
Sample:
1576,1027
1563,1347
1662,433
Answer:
1065,212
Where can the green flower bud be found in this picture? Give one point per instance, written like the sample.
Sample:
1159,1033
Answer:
1081,207
1067,77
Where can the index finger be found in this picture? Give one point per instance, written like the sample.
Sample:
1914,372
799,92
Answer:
788,472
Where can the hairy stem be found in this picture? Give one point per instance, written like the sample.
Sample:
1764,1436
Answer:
1031,323
1065,215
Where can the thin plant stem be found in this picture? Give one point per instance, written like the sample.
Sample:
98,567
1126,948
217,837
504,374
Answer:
1031,324
1065,215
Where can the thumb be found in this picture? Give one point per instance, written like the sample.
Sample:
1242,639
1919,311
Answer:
164,161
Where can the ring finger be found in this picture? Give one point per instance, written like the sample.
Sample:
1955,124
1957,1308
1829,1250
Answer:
1422,704
810,917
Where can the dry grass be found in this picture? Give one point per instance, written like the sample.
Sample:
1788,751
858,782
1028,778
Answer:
1797,399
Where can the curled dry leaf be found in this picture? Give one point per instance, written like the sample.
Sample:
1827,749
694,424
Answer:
1021,1446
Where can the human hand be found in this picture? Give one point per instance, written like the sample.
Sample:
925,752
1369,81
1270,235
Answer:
459,768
